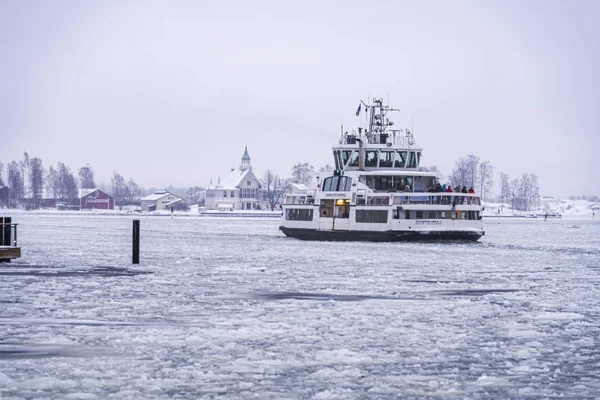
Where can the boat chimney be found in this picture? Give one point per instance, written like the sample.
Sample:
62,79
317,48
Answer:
361,155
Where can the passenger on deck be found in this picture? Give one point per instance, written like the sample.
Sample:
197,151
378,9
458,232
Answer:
471,190
407,188
449,189
464,189
438,187
444,187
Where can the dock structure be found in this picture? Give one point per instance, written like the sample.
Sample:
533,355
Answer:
9,249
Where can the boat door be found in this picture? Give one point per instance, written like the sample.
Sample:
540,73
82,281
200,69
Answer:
342,215
326,214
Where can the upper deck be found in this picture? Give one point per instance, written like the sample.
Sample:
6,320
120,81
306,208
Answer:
378,145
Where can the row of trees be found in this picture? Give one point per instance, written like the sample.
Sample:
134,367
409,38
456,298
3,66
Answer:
470,171
523,194
30,184
275,186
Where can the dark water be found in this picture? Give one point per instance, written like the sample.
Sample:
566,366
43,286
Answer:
232,309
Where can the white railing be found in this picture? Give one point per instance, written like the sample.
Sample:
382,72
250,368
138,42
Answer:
438,198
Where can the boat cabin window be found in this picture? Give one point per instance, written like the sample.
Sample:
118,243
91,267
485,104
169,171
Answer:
386,159
400,159
295,214
388,183
418,158
337,184
412,161
372,216
371,160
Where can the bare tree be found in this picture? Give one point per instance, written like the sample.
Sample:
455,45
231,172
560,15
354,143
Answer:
24,173
439,175
514,192
66,185
525,191
486,173
36,180
15,183
52,183
133,193
303,173
193,195
473,176
1,173
327,168
86,177
274,188
460,172
504,188
534,193
118,188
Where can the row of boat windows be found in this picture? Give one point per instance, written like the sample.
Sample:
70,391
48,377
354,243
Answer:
378,158
381,216
466,215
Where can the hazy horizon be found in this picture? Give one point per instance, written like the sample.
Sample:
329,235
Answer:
169,93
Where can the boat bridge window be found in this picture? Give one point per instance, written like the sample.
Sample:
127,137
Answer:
386,159
338,160
346,156
299,214
412,161
372,216
400,159
371,160
418,158
350,158
337,184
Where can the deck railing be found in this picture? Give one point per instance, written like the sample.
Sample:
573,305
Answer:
403,198
8,233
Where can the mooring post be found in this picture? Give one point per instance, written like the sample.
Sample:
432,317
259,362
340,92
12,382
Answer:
6,228
136,242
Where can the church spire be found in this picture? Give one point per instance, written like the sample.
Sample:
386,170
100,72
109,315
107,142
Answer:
245,160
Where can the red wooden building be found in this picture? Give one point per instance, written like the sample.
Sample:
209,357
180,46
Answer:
95,199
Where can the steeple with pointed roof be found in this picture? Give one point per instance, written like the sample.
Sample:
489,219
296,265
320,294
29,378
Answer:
245,160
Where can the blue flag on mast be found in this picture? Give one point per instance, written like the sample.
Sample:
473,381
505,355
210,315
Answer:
358,110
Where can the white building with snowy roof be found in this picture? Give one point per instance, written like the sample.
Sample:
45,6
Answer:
239,190
159,200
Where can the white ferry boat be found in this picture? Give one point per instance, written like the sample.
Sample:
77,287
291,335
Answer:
378,192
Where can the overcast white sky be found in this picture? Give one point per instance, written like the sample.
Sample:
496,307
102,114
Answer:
168,92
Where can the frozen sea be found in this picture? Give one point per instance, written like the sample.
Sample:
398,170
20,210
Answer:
230,308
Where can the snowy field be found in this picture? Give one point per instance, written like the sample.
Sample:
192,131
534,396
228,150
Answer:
230,308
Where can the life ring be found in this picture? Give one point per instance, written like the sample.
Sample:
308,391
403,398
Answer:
386,201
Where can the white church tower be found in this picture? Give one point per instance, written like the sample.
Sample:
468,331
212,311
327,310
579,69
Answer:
245,160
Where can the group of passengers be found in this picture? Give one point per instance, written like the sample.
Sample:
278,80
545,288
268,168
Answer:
438,188
447,188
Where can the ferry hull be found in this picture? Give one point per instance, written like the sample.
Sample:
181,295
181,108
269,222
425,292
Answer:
387,236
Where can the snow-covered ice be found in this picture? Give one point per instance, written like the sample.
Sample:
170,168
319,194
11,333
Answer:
230,308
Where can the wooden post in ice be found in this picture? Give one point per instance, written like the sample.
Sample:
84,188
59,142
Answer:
136,242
